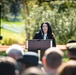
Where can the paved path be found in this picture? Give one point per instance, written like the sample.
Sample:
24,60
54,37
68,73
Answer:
5,47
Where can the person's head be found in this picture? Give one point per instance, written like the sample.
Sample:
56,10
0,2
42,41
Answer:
46,28
52,58
33,71
29,59
71,50
8,66
15,51
68,68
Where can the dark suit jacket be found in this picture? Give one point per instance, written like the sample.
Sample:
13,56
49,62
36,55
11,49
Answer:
39,36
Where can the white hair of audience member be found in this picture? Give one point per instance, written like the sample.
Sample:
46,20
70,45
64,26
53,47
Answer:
15,51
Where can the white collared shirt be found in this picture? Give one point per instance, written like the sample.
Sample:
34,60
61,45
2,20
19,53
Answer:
45,35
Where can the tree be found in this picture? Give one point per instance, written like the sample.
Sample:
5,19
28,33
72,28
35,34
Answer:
10,6
63,23
60,14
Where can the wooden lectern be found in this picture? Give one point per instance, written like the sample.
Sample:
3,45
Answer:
39,46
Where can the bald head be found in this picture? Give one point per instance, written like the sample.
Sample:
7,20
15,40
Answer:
53,57
15,51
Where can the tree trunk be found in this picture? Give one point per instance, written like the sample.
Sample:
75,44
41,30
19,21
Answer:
27,36
26,11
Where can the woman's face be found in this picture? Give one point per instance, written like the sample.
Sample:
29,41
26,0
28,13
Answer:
45,28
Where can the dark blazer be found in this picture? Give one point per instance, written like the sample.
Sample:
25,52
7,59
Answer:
39,36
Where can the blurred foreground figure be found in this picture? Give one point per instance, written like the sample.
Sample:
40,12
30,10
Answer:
51,60
29,59
68,68
8,66
15,51
71,50
33,71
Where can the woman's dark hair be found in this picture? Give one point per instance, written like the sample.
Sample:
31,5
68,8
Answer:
49,33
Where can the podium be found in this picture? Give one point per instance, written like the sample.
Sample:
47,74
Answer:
38,45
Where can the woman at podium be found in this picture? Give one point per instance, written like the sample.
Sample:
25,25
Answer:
45,32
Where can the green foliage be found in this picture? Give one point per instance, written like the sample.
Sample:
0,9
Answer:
66,4
63,23
2,53
61,14
3,21
10,9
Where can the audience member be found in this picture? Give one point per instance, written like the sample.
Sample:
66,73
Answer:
8,66
68,68
71,50
29,59
33,71
15,51
51,60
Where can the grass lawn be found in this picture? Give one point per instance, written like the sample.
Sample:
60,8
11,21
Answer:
65,58
10,37
10,23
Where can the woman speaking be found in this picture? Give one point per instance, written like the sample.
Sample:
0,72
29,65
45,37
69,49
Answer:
45,33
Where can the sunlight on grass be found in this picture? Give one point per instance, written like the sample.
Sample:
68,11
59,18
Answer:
11,37
10,23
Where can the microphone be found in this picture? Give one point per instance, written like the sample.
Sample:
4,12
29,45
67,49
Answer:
41,31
